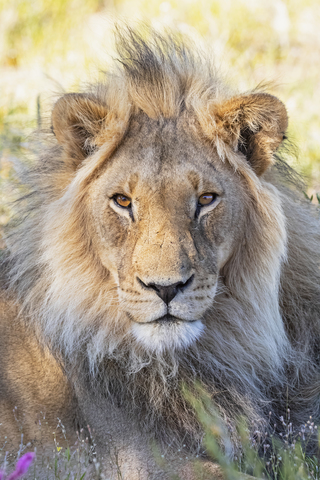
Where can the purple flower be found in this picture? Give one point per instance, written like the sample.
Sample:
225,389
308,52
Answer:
22,466
1,475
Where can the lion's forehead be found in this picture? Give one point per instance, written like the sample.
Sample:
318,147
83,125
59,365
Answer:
163,160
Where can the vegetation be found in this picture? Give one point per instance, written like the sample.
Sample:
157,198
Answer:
262,452
22,467
48,46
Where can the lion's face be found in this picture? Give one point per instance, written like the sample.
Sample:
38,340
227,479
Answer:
166,216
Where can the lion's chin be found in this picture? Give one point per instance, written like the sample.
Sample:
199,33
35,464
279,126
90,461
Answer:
167,335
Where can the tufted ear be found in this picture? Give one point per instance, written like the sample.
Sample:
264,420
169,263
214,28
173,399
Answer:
254,125
77,119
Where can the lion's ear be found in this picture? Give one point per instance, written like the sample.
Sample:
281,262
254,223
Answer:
76,120
255,125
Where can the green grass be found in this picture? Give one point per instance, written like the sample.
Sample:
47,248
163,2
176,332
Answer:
49,46
261,453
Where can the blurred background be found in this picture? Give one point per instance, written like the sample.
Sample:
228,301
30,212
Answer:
51,46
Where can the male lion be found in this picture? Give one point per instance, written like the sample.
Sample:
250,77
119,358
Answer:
163,242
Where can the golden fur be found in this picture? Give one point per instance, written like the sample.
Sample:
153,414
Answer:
86,272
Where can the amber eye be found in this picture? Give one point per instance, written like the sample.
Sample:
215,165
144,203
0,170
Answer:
206,199
122,200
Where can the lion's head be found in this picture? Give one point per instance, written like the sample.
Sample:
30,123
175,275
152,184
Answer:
154,229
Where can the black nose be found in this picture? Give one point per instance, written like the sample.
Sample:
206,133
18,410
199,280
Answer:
168,292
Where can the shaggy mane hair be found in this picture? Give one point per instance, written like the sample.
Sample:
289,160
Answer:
261,354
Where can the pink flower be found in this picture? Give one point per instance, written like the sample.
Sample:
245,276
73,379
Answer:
22,467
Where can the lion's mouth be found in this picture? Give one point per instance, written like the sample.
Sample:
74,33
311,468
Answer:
167,319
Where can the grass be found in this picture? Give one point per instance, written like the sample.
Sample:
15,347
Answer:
50,46
260,452
62,461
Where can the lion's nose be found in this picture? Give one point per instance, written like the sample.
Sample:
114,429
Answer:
167,292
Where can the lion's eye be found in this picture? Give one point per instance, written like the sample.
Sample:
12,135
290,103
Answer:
207,199
122,201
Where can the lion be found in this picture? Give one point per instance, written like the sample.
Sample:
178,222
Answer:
163,242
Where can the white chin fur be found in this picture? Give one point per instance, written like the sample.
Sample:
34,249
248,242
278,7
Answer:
158,337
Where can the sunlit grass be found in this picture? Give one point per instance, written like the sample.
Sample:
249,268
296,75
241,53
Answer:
49,46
